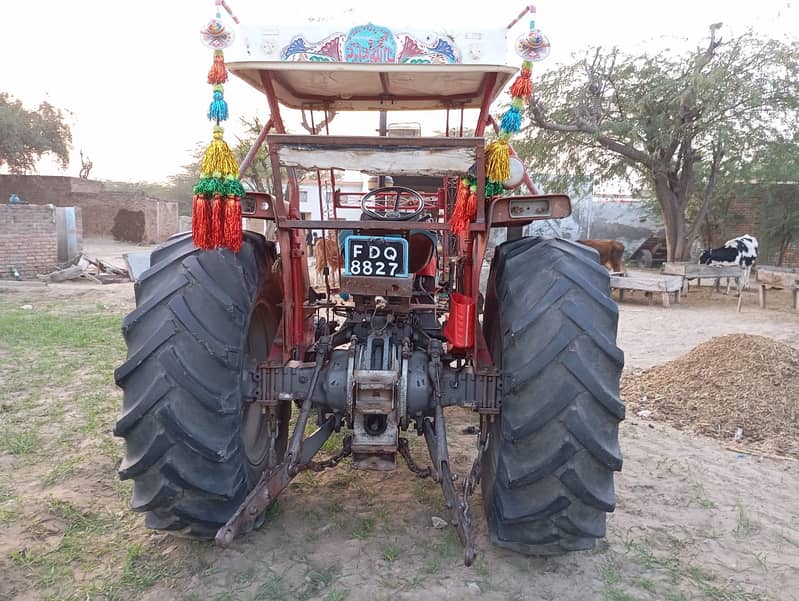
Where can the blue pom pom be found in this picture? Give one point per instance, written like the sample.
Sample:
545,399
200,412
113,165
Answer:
218,109
511,121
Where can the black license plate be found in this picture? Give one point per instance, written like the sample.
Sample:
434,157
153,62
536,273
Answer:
376,256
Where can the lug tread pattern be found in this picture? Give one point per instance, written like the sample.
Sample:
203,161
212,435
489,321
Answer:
181,382
548,471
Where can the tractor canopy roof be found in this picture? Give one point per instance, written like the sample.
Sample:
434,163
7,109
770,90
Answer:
372,67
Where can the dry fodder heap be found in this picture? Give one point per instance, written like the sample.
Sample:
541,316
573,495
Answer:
727,383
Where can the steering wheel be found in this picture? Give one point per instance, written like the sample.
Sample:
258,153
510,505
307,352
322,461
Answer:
407,205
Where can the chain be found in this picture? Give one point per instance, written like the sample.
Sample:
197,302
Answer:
405,451
474,474
346,450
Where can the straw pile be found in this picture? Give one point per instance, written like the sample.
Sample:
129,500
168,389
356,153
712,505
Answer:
736,388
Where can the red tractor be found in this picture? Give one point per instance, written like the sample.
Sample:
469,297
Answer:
224,349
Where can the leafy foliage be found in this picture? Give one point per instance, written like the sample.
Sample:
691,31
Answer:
26,135
671,124
259,175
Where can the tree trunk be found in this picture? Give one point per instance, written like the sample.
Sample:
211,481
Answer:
783,248
678,247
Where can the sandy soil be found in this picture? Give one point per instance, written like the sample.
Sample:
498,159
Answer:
112,250
693,520
654,334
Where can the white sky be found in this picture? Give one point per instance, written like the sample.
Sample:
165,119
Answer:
132,74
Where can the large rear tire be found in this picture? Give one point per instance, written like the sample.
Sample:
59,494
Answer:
550,324
194,445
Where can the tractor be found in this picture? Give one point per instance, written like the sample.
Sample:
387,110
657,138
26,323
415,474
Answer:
233,356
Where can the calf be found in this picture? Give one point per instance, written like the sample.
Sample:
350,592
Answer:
327,254
740,251
610,252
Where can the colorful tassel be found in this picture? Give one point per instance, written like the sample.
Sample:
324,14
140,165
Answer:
233,227
218,109
218,160
523,86
233,187
497,155
471,203
201,223
208,186
218,72
511,120
218,221
465,206
216,216
494,189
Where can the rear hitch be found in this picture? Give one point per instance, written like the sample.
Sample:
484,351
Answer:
435,434
298,458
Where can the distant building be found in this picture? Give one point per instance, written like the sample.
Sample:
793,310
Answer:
602,213
131,216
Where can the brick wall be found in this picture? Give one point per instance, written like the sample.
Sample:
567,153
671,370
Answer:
28,240
744,217
102,209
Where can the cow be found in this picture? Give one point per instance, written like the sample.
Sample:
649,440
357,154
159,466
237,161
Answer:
740,251
327,253
610,253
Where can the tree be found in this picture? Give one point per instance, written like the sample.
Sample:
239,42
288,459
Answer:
259,175
780,219
772,175
27,135
667,123
86,165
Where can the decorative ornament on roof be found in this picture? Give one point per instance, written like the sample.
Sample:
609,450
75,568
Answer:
502,168
216,211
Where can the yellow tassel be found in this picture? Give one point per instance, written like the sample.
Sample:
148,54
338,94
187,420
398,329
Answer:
498,160
218,160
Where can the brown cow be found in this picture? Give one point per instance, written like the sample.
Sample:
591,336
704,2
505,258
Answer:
326,252
610,253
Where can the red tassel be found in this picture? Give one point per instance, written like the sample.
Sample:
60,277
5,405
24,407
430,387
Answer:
201,223
523,86
218,222
218,72
471,206
458,220
233,228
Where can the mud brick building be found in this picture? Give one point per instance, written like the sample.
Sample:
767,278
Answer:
129,216
34,239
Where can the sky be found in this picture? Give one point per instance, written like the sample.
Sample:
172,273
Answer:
131,76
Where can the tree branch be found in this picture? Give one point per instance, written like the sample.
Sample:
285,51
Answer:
539,118
707,197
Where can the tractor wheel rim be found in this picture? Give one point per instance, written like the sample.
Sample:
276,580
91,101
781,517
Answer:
254,428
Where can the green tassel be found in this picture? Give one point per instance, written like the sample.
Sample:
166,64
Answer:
233,187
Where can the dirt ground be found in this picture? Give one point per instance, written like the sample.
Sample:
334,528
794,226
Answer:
693,520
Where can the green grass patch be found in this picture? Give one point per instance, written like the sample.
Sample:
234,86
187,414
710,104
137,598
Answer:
443,551
680,577
58,405
274,588
143,569
391,552
49,348
38,329
365,527
18,442
62,471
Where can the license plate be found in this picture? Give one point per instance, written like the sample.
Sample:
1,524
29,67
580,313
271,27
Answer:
376,256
